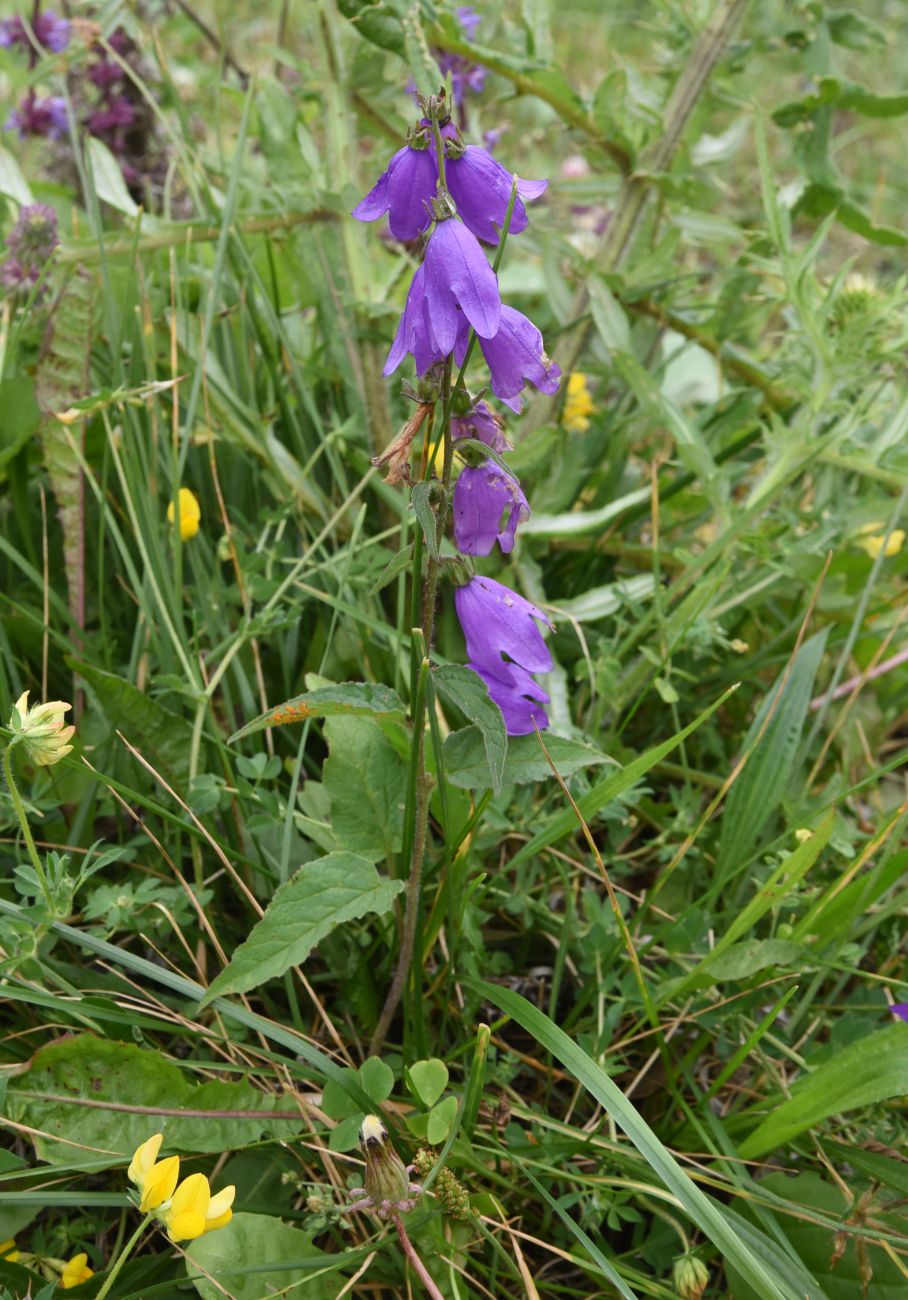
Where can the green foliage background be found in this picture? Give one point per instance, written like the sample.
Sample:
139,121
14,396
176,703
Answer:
667,1033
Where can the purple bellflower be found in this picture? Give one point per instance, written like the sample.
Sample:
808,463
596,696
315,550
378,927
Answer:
455,287
514,354
35,116
479,185
465,75
497,622
481,423
900,1009
50,31
483,496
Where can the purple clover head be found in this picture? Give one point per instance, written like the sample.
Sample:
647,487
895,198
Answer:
35,116
518,695
481,423
118,112
104,74
50,31
13,275
34,236
514,355
488,506
481,188
405,190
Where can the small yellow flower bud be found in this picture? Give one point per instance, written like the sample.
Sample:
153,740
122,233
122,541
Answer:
803,834
386,1176
578,404
690,1277
76,1271
41,729
870,538
190,514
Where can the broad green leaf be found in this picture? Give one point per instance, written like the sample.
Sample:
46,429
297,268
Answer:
815,1244
162,737
21,415
441,1117
322,895
377,21
49,1095
365,778
707,1214
771,746
12,182
466,765
107,178
369,699
870,1070
466,690
256,1256
607,791
744,960
427,1080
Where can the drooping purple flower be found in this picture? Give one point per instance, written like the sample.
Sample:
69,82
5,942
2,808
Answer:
900,1009
488,506
497,622
519,697
482,423
50,31
514,355
414,331
481,188
35,116
405,191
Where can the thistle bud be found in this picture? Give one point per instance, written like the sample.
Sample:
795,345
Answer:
690,1277
41,729
386,1176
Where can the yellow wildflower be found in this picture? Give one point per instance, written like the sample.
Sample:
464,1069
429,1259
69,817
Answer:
8,1251
578,404
154,1178
194,1211
190,513
870,538
76,1271
41,729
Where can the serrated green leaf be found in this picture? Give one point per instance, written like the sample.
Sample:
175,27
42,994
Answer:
365,778
321,896
162,737
354,698
466,690
466,764
421,499
871,1070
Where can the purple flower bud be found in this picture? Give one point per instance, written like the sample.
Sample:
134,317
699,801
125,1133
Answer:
404,190
482,497
481,188
482,423
514,355
497,622
50,31
35,116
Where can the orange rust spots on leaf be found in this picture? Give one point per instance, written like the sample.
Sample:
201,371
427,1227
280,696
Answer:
297,713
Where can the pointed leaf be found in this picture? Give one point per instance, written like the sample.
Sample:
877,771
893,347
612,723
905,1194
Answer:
368,698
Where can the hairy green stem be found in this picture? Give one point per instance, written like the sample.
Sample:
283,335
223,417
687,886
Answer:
626,218
23,823
123,1257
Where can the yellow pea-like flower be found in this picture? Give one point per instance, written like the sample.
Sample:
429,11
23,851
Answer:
186,1214
219,1213
42,730
870,538
155,1179
76,1271
578,404
190,513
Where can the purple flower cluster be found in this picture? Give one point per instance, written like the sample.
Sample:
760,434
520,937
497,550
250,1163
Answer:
455,291
49,30
31,243
37,116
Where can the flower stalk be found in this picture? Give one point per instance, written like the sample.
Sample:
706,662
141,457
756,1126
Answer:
123,1257
24,826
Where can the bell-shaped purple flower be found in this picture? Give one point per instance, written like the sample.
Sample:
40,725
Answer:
35,116
481,423
414,331
50,31
514,355
488,506
481,188
460,284
518,695
497,622
405,191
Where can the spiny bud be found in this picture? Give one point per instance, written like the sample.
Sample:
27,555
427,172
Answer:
690,1277
386,1176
